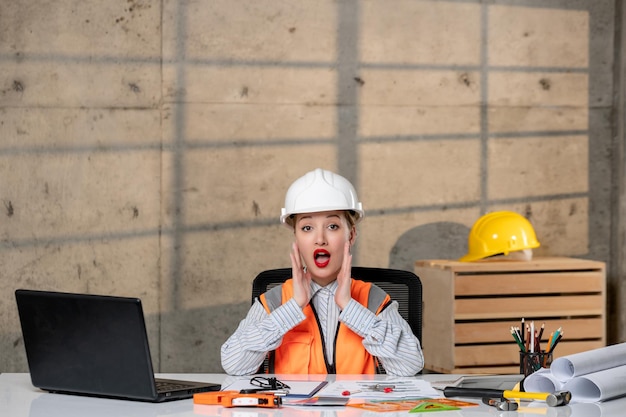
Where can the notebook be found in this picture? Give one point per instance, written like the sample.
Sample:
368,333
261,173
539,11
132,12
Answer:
93,345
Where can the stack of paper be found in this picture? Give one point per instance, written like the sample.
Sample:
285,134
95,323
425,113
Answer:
595,375
398,388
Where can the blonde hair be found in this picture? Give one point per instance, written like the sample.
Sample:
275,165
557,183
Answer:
351,217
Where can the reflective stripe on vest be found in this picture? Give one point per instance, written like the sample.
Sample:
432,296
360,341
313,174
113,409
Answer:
302,349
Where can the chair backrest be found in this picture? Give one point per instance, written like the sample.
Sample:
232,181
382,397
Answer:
402,286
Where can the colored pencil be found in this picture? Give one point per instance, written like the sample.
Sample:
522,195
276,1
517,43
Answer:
517,340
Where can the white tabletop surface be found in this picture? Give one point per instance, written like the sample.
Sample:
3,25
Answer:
18,398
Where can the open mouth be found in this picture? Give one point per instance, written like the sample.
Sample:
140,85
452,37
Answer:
321,257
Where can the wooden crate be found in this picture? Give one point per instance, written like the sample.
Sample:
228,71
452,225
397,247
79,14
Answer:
469,308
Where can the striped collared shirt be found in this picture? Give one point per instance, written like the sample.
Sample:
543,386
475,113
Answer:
386,335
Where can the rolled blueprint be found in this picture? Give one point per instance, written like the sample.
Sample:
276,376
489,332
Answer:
570,366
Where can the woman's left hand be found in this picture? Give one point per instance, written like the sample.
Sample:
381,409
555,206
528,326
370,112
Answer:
301,278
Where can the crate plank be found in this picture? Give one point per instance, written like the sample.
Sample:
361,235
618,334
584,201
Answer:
530,283
513,307
538,264
492,332
513,369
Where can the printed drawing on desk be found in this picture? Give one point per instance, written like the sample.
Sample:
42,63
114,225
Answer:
387,389
413,405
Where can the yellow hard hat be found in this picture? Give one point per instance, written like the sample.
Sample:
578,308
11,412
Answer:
499,232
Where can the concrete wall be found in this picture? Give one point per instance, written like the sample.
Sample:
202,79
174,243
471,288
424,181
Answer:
146,146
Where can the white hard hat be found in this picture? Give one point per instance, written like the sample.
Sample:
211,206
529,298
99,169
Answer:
320,190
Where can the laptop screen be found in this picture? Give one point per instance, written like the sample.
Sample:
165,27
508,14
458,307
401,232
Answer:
88,344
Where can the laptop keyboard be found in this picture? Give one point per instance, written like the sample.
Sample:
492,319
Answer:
164,386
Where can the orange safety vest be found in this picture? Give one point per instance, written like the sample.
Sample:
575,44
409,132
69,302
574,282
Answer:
302,350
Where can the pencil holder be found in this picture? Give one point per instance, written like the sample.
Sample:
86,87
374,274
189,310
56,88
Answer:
530,362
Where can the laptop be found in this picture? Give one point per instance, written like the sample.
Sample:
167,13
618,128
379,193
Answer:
93,345
488,381
502,382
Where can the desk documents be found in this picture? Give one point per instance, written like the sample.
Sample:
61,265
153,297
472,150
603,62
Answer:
397,388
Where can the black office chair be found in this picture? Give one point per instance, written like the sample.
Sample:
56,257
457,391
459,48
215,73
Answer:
402,286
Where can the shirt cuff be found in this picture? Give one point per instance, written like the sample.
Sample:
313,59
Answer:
288,315
357,317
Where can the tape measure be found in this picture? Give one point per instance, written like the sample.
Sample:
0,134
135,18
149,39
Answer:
237,399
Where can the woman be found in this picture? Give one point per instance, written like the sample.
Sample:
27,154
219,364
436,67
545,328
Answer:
321,320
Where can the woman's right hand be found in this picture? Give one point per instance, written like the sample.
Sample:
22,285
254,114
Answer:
301,278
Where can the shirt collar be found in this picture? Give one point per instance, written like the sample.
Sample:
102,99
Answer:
315,287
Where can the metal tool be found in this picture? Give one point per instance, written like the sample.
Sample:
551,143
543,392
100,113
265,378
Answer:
503,405
552,399
277,392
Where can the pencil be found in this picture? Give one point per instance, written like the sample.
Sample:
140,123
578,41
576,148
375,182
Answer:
543,325
519,335
550,342
537,346
557,333
515,330
558,339
517,340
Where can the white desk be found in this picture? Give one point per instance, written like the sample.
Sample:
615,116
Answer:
18,398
